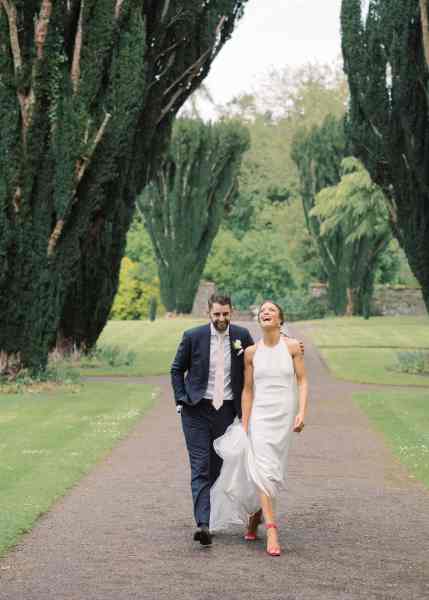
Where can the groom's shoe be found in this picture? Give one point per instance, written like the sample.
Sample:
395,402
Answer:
203,536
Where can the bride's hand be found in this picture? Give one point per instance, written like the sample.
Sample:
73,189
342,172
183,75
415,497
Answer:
299,423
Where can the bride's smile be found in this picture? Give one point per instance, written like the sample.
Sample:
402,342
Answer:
269,316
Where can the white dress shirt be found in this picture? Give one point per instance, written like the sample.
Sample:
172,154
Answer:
214,344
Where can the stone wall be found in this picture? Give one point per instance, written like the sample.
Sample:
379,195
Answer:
387,300
398,300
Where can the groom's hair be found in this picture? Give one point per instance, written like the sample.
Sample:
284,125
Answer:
219,299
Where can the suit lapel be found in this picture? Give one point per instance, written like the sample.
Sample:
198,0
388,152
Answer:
205,348
232,338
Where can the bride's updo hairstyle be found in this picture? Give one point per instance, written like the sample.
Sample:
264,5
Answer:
279,308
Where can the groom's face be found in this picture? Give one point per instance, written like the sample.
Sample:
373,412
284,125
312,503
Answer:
220,316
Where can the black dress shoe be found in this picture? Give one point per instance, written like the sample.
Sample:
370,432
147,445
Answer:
203,536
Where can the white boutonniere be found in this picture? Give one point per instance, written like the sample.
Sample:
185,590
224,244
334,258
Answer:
238,346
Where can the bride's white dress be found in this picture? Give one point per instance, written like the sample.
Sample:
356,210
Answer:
257,461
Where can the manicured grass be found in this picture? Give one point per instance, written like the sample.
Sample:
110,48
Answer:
399,332
369,366
403,417
365,351
154,343
48,441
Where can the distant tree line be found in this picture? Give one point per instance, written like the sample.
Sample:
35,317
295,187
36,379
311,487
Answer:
304,208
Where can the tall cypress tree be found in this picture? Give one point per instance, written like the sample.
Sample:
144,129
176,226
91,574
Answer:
386,59
88,91
318,154
183,207
356,209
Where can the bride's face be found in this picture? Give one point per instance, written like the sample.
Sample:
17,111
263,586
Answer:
269,316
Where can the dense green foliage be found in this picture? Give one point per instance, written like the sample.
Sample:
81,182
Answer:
137,289
88,93
252,268
318,153
268,207
286,101
184,204
355,212
386,58
138,279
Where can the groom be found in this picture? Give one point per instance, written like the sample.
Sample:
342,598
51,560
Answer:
207,378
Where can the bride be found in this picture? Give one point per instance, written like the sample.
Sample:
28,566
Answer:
254,451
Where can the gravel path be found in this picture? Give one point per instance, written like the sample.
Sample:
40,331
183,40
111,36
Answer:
357,526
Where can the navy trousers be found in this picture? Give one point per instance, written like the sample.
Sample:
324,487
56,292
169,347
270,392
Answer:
201,425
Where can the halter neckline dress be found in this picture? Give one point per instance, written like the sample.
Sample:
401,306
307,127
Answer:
257,461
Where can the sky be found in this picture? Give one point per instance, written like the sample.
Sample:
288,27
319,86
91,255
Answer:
275,33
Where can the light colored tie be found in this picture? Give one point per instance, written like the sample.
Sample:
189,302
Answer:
219,384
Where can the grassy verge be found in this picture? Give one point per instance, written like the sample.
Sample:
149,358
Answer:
403,418
366,351
50,440
369,366
377,332
154,345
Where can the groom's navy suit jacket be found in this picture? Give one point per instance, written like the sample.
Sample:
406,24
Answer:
190,368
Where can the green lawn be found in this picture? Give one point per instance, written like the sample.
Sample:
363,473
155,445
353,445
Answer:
399,332
48,441
364,351
403,417
154,343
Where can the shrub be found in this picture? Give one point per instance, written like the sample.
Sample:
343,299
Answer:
114,356
136,288
415,362
56,374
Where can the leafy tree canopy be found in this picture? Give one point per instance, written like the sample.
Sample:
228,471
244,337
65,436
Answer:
355,211
184,205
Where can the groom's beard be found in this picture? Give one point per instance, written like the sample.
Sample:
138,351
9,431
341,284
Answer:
220,326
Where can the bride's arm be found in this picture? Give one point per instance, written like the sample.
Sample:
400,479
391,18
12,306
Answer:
301,378
247,394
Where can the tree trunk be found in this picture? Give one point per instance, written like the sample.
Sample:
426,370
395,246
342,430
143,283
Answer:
167,289
337,291
425,294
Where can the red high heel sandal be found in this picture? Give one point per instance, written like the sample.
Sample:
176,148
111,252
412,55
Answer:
272,552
